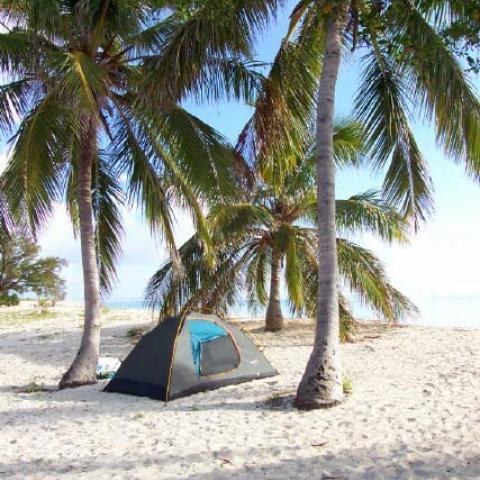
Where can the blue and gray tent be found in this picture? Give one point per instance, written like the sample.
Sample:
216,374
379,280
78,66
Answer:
186,355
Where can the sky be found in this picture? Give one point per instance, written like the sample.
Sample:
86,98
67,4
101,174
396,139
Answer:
439,270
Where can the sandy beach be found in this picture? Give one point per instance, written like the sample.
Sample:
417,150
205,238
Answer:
414,411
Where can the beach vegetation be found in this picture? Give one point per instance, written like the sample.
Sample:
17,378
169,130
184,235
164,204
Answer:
22,271
347,385
92,102
136,332
32,387
25,316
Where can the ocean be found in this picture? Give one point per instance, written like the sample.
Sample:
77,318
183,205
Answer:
463,312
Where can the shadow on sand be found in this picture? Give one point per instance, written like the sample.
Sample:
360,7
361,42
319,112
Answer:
384,462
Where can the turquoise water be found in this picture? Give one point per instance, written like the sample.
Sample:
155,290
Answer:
435,311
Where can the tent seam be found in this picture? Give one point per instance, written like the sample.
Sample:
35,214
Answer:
177,333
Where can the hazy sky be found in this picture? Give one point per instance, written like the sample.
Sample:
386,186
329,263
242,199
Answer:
440,262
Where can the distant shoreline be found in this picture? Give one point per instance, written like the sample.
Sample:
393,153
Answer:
440,312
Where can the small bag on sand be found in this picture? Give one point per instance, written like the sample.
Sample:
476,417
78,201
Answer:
107,367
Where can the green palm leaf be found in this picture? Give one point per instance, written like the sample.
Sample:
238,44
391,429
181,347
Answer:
146,187
368,212
256,276
204,36
442,89
380,106
348,143
366,276
277,133
108,197
293,272
15,51
78,77
15,102
33,177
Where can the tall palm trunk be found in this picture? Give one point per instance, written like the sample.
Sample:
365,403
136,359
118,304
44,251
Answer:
274,316
82,370
321,385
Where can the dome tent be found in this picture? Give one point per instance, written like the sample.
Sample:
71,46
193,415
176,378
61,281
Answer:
190,354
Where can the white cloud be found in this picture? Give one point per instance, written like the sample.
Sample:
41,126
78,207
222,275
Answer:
142,254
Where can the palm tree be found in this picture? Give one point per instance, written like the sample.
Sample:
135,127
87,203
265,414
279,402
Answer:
11,223
270,229
408,67
93,99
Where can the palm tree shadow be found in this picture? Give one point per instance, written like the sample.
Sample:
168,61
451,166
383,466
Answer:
90,404
388,461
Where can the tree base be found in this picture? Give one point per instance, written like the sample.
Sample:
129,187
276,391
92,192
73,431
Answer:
315,403
273,329
274,323
78,375
64,384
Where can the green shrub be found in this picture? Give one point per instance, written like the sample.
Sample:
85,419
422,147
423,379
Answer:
9,300
43,304
347,385
32,387
136,332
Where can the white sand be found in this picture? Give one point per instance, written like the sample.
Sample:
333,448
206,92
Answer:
414,413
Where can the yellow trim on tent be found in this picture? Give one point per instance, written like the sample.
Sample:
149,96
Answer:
177,334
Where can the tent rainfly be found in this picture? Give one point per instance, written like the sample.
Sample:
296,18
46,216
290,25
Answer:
182,356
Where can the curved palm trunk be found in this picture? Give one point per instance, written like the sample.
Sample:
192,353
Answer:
82,370
274,316
321,385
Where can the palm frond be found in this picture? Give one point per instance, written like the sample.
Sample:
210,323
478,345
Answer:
15,51
199,286
33,176
167,291
293,272
368,212
11,223
146,187
256,276
80,79
365,275
70,189
380,104
348,324
189,194
276,135
15,103
309,267
348,143
192,52
233,222
441,88
35,14
107,197
202,154
298,12
349,147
